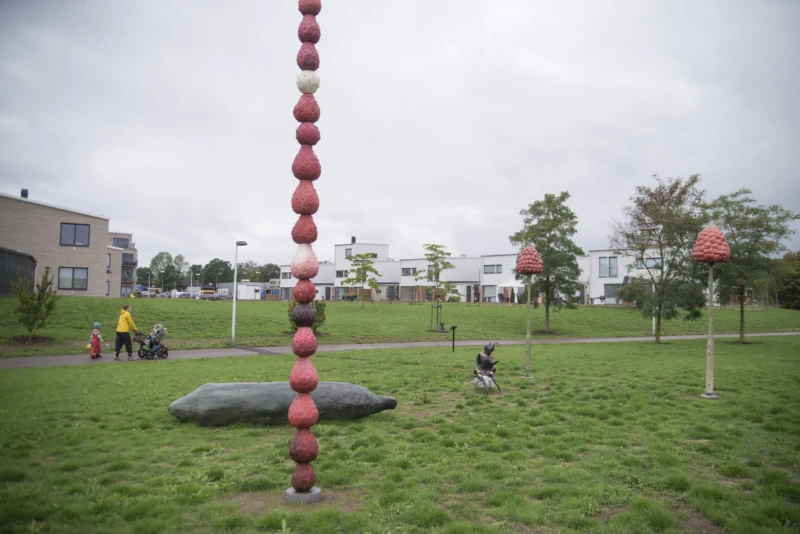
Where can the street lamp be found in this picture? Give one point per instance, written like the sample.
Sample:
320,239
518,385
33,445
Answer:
235,291
162,280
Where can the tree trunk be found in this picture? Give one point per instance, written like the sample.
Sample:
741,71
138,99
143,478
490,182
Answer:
658,327
547,311
741,314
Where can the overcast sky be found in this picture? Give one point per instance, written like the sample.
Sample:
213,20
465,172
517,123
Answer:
440,119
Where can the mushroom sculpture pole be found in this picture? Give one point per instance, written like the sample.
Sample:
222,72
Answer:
711,247
303,413
529,262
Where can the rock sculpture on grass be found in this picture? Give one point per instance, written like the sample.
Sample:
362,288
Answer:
267,403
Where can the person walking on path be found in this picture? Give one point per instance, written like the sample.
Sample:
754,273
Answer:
123,332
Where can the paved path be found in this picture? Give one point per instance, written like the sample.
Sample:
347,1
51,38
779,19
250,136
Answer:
83,359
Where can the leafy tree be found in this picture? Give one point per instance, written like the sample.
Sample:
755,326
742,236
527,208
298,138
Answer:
217,270
659,234
181,266
361,267
437,264
789,281
549,226
34,307
247,270
319,310
755,234
268,271
144,276
160,262
196,272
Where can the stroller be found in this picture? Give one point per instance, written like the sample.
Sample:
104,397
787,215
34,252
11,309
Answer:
152,346
483,375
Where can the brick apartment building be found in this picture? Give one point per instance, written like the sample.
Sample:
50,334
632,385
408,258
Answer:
85,258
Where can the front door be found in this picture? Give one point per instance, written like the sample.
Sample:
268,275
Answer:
327,293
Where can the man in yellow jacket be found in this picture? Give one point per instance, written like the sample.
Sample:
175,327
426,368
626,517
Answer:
123,332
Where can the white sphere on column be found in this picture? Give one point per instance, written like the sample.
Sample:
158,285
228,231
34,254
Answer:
308,82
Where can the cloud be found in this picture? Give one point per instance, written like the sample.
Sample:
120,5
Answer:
440,120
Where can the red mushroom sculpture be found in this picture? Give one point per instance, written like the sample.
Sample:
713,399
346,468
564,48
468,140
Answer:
711,247
529,262
303,413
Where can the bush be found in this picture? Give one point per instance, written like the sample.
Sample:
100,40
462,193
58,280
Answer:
319,309
34,307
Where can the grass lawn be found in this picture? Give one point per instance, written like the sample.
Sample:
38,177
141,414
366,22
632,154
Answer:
206,324
607,438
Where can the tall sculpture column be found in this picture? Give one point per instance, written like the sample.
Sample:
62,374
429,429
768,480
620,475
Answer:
303,413
529,263
711,247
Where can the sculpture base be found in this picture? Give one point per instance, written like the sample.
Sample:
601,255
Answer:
306,496
709,396
528,377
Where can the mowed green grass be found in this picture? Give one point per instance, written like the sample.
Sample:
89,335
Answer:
606,438
204,324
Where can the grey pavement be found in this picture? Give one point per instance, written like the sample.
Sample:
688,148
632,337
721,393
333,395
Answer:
83,359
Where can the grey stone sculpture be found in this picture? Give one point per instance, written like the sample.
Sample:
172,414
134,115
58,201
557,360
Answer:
267,403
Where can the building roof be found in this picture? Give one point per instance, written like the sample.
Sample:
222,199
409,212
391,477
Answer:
114,248
17,253
62,208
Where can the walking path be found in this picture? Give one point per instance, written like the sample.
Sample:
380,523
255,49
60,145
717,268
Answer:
83,359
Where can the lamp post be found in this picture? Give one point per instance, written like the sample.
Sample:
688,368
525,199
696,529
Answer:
148,283
235,269
162,280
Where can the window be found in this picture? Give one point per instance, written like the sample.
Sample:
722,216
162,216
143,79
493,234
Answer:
127,276
108,287
409,271
121,242
286,276
341,274
372,255
348,252
108,262
125,291
432,274
75,235
492,269
608,267
652,263
73,277
610,292
127,259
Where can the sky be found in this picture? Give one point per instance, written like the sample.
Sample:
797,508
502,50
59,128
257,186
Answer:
440,121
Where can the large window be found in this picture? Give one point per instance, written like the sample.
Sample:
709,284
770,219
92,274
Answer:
492,269
75,235
286,276
121,242
125,291
608,267
348,252
127,276
432,275
409,271
610,292
127,259
341,274
73,278
651,263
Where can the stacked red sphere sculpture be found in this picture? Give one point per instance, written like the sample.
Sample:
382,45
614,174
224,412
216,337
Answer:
529,261
303,413
711,246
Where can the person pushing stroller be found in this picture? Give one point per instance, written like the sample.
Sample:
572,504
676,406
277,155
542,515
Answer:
124,327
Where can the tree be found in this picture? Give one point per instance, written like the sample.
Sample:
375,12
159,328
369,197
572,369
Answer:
217,270
437,264
34,307
361,267
549,226
181,266
268,271
319,314
160,262
248,270
789,281
143,276
659,234
755,234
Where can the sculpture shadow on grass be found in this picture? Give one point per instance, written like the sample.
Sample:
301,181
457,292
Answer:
267,403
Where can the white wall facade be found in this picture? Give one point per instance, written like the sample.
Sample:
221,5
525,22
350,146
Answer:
495,269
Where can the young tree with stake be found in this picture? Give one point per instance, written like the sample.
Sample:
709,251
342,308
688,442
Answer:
362,266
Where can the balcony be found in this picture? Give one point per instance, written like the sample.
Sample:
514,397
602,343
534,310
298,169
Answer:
126,262
127,279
